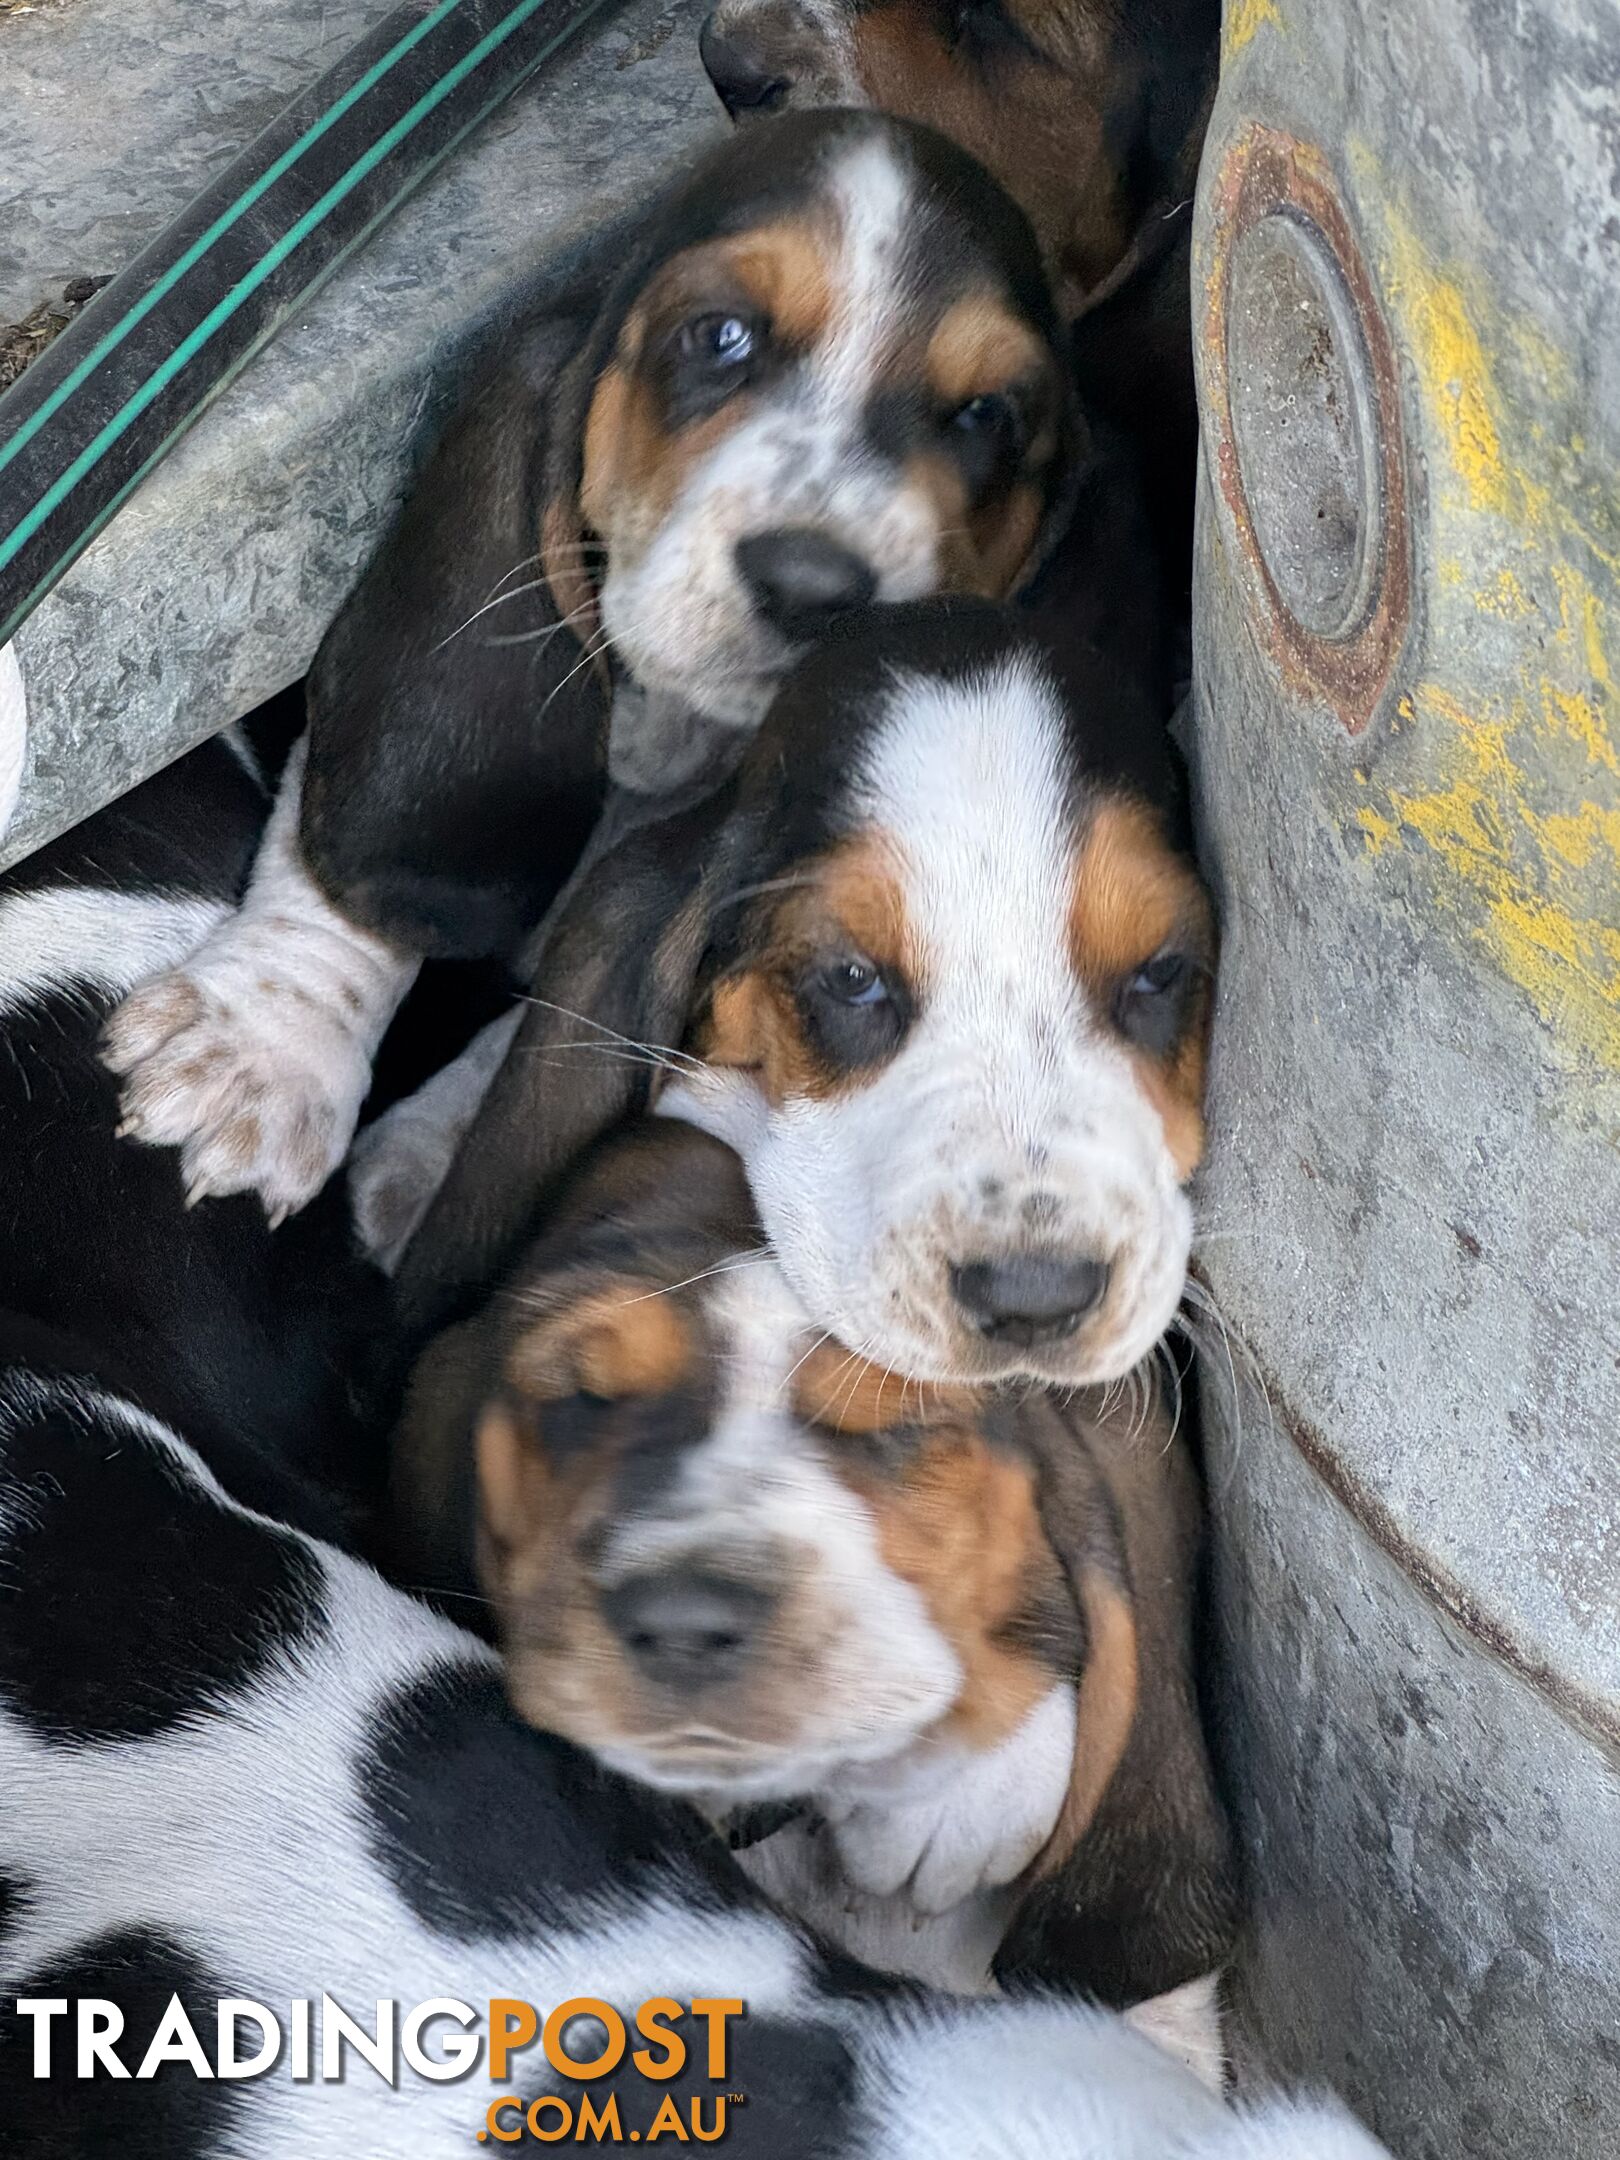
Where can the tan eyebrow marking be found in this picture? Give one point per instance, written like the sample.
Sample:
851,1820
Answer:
1131,894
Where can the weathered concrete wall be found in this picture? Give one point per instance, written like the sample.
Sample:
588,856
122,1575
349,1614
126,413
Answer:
1407,292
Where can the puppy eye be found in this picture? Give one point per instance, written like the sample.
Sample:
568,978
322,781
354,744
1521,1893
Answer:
989,414
856,982
853,1014
1151,1007
1160,974
720,341
987,25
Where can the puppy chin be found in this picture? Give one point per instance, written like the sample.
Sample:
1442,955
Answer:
726,670
931,1345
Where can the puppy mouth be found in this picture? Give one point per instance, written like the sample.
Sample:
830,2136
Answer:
719,1765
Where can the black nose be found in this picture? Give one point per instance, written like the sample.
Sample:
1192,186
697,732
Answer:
1029,1297
686,1628
741,69
800,579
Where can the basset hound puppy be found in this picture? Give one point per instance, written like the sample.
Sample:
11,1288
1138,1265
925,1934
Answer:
1090,113
933,1643
937,964
824,368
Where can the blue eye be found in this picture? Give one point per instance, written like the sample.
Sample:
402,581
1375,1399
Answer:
990,414
724,341
856,982
1159,975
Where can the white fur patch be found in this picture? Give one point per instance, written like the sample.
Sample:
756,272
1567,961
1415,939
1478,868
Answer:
943,1822
757,1483
1007,1104
255,1056
678,613
1186,2022
92,942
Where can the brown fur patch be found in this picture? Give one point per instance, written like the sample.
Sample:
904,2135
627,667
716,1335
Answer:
843,1393
849,903
1105,1713
634,466
1131,894
513,1476
626,1340
988,551
1041,129
962,1525
978,347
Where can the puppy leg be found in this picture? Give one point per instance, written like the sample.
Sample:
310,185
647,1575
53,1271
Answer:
400,1162
254,1057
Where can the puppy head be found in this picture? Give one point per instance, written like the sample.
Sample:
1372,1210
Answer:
1082,110
956,1015
831,373
726,1555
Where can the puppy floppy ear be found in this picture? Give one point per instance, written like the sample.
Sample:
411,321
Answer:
1134,1892
611,990
438,810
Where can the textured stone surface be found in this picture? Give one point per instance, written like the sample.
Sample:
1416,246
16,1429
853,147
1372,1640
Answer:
1414,1201
212,586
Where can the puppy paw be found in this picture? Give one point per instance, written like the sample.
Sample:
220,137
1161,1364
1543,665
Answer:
253,1075
971,1819
397,1166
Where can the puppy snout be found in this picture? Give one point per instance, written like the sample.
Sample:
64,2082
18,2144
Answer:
1030,1297
799,578
688,1627
742,67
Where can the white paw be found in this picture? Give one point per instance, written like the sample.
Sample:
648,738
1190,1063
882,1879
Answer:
254,1074
400,1162
397,1166
973,1820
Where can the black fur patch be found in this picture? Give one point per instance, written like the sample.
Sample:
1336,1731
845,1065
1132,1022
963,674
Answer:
173,2115
16,1900
797,2081
556,1835
129,1599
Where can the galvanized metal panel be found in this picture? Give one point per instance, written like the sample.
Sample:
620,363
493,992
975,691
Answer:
1408,245
211,588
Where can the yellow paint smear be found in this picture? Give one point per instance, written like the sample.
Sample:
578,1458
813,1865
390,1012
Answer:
1450,362
1522,837
1243,21
1520,875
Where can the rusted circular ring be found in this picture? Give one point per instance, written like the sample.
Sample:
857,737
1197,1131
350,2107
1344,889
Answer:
1344,654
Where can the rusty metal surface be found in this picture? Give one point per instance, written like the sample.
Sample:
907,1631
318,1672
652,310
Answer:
1267,175
1413,1205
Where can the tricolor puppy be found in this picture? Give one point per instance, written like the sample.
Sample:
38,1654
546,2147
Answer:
938,967
251,1341
745,1566
237,1764
825,369
1088,113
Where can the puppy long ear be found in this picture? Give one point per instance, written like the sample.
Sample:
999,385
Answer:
458,746
1134,1893
611,990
